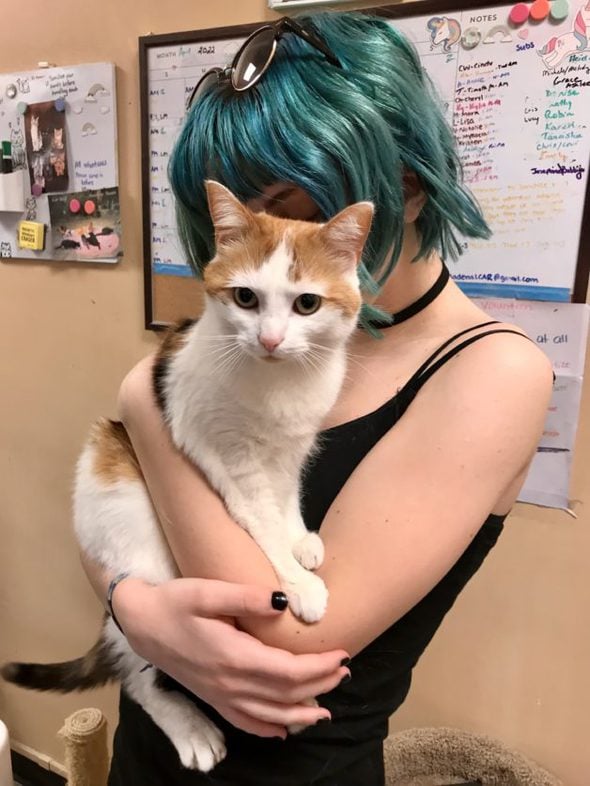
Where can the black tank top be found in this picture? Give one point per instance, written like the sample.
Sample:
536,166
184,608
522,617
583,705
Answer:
348,751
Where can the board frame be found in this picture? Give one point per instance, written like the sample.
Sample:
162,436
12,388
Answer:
397,11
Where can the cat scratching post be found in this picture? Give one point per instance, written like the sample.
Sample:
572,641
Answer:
85,737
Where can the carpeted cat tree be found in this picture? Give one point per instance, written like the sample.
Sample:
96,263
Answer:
441,757
85,737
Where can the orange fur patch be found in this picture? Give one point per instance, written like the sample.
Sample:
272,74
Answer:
311,258
114,457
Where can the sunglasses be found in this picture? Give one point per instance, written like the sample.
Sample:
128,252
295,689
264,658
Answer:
254,57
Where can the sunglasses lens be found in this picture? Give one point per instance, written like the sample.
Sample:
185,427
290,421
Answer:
253,60
207,81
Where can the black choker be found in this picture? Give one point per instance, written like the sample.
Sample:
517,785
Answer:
417,306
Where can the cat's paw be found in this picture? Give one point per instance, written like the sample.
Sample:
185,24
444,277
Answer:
201,746
297,728
309,551
308,597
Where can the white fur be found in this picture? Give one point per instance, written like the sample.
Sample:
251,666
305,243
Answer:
249,424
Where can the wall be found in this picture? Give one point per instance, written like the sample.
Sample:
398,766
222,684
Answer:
512,658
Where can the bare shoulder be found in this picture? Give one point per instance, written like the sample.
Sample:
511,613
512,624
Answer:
486,407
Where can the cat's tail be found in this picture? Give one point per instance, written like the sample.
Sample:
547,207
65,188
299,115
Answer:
92,670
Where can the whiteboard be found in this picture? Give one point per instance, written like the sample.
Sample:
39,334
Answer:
89,96
519,103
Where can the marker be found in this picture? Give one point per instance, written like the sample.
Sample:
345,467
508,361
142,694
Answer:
6,158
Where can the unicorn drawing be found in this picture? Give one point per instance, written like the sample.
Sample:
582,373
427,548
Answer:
444,31
576,40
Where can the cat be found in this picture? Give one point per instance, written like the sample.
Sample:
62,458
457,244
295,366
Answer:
57,143
36,138
244,391
5,250
18,148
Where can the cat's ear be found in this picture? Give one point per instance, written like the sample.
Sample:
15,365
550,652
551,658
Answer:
346,233
230,218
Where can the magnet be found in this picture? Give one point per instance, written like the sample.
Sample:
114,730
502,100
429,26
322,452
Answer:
491,36
11,91
74,205
89,207
59,104
22,107
470,38
519,14
559,10
540,10
36,189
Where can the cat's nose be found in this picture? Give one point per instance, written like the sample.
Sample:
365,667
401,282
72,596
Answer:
270,343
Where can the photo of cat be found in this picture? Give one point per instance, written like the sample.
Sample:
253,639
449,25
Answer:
80,236
46,145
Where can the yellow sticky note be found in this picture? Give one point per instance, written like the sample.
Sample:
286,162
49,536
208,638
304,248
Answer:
31,234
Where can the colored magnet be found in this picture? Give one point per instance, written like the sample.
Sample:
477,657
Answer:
59,104
470,38
540,10
74,205
36,189
31,234
519,14
22,107
11,91
89,207
559,10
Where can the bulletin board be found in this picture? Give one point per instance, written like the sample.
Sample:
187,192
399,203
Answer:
62,128
518,98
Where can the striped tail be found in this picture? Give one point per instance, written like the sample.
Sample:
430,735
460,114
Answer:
92,670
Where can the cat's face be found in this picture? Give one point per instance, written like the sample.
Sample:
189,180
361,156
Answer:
285,289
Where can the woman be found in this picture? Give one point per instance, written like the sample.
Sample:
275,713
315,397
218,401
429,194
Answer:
422,457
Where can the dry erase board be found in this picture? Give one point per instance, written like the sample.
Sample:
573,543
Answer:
62,126
518,98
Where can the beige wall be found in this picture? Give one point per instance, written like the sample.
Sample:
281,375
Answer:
512,660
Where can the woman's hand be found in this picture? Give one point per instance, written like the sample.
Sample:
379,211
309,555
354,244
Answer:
185,627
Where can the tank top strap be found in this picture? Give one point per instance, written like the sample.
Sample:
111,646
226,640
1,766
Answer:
417,374
430,368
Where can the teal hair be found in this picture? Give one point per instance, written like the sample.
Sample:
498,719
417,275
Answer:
343,135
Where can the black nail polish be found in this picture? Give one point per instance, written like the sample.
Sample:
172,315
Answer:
279,601
323,721
345,679
345,661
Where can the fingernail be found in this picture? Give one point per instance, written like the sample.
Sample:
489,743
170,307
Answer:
346,678
323,721
279,601
345,661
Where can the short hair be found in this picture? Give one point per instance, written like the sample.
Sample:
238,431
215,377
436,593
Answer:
342,134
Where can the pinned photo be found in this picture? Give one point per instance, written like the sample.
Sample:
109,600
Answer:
45,138
86,225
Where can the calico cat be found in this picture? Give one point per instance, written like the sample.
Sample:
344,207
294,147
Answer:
244,391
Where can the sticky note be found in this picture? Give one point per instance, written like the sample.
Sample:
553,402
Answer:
31,234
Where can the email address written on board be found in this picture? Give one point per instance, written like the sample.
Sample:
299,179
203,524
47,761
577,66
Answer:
498,278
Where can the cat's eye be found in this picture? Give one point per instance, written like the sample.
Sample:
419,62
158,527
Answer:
307,304
245,298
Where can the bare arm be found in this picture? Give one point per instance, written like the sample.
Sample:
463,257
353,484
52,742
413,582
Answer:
407,513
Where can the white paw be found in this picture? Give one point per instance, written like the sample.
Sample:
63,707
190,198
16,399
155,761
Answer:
298,728
308,597
309,551
201,746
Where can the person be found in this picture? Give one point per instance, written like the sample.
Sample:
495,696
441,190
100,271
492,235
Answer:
420,461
